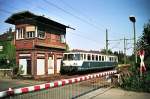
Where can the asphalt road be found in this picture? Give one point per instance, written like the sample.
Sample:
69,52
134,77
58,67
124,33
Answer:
9,83
73,90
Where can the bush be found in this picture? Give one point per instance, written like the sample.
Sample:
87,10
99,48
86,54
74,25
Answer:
135,82
17,71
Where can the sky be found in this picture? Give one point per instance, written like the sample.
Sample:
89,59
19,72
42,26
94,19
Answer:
90,18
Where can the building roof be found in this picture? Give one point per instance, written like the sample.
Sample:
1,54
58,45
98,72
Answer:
6,36
27,15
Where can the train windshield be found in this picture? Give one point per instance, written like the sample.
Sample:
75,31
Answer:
71,57
76,56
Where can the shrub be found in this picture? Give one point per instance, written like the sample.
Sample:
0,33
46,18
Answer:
136,82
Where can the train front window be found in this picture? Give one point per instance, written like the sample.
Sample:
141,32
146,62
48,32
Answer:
65,57
70,56
76,56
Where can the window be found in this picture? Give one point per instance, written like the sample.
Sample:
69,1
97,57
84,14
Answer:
81,57
76,57
30,34
100,58
96,57
70,56
62,39
65,57
110,59
41,34
89,57
19,33
84,56
92,57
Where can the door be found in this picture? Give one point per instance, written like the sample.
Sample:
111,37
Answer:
58,65
23,66
51,65
29,68
40,66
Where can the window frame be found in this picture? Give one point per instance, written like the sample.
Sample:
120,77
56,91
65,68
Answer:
89,57
30,34
96,57
100,58
38,31
20,33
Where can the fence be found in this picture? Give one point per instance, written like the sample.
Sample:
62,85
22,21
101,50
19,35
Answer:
64,89
6,73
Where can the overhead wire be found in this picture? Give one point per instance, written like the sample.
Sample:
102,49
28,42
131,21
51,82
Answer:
5,11
69,13
81,13
83,20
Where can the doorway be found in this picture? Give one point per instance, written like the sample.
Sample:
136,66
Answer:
29,68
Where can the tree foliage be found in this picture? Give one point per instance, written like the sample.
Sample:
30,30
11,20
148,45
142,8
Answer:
104,51
135,81
8,52
144,43
120,56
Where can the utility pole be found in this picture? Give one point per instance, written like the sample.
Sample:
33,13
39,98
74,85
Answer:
125,50
106,42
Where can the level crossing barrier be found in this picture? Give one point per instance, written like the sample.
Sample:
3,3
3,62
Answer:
71,88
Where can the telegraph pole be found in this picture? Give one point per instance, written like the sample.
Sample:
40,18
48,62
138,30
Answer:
106,42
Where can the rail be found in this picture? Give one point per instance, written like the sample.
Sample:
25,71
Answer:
63,89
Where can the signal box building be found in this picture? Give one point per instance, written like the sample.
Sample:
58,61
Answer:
40,43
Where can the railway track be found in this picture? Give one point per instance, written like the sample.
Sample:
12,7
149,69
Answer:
59,76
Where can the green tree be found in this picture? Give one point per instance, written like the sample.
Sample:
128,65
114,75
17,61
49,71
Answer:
8,51
135,81
144,43
120,56
104,51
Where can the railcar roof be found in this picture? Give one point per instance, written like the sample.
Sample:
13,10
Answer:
86,52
